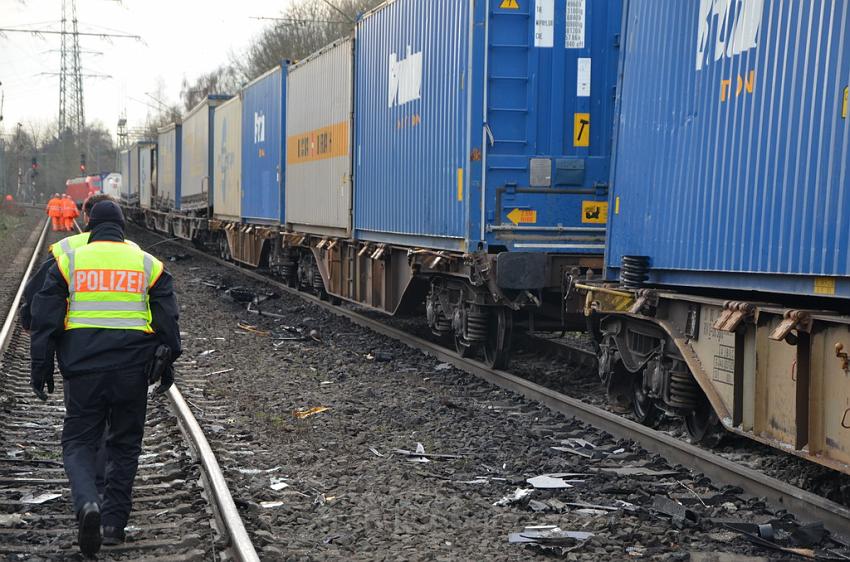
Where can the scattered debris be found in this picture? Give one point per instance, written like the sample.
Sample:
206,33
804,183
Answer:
241,294
252,329
39,499
179,257
278,484
376,453
258,470
518,495
301,414
325,383
618,505
548,535
639,471
420,453
548,482
591,512
379,356
636,551
443,367
680,514
11,519
269,505
206,353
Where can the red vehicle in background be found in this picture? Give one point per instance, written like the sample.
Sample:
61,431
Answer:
80,188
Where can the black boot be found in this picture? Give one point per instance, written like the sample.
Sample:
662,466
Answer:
113,536
89,536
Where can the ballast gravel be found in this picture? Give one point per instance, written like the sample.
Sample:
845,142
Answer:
308,414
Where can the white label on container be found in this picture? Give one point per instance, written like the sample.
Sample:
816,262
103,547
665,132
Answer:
583,78
405,78
544,23
575,24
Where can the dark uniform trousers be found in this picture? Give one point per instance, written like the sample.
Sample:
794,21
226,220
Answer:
113,402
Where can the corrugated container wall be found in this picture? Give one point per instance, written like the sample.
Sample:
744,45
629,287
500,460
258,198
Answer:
733,143
263,139
227,160
198,139
319,105
145,177
124,168
485,124
168,160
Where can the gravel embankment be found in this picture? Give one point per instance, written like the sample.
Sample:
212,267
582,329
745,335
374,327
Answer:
331,485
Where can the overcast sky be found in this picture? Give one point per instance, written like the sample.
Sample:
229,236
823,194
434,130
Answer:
180,38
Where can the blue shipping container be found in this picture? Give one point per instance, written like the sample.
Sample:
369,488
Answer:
263,133
732,145
485,124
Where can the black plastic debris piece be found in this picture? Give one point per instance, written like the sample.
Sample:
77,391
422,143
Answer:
179,257
241,294
681,515
548,536
762,535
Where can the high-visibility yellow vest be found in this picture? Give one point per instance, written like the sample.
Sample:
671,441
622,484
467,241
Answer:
108,285
66,245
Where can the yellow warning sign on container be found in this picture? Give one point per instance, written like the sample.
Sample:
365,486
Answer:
594,212
824,285
520,216
509,5
581,129
844,105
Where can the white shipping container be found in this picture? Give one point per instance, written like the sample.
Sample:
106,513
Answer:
131,188
147,152
227,160
319,106
196,168
168,168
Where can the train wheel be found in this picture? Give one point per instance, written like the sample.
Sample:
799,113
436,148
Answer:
497,347
461,346
643,405
703,426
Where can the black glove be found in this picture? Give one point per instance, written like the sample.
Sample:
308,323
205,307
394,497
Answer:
165,380
37,380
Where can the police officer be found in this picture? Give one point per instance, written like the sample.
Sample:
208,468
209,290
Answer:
62,247
104,309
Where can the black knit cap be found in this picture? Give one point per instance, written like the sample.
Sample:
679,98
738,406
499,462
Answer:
106,211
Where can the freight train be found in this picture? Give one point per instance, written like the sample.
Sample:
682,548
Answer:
671,176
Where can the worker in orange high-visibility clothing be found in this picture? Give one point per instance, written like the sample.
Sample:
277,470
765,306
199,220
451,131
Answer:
54,211
69,212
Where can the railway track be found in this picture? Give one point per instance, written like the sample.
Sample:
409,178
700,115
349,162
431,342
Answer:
806,506
183,509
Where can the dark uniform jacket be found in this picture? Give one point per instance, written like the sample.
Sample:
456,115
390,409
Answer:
88,350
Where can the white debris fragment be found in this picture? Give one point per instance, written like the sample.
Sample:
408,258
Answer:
548,482
269,505
278,484
39,499
518,495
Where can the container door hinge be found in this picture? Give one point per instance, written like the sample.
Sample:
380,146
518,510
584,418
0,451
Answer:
799,320
733,315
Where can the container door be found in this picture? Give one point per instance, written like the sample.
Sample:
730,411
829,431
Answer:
551,71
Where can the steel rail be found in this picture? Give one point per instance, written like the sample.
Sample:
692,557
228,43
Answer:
806,506
9,323
241,547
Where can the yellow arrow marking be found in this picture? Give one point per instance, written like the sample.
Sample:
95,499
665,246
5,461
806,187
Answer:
518,216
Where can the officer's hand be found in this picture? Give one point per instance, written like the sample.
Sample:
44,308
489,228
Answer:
165,381
38,380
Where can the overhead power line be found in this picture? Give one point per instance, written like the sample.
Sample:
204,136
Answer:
80,33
